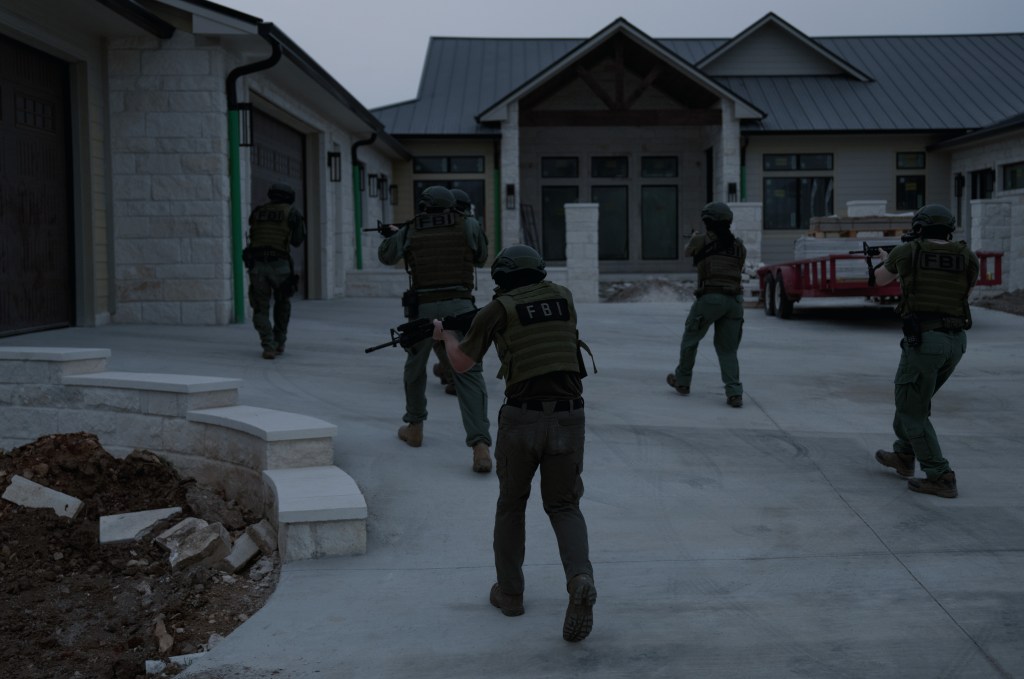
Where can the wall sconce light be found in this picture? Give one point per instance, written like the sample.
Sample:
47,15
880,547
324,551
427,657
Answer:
510,196
393,193
374,186
334,165
732,192
245,124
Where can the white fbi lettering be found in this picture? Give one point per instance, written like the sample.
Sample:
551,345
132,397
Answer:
544,310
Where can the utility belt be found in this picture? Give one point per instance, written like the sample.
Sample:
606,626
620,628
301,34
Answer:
412,298
547,406
915,324
251,254
717,289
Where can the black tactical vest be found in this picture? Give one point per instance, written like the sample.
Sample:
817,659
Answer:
719,268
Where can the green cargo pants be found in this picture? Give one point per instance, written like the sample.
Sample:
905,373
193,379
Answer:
725,313
470,388
922,372
268,281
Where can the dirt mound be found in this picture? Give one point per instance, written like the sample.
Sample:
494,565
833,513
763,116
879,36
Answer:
76,608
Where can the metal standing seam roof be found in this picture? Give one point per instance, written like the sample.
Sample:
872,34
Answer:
919,83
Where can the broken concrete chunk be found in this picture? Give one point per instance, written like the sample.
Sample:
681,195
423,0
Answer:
133,525
264,535
27,493
204,545
243,551
176,533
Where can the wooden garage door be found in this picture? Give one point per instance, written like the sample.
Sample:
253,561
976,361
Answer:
36,236
278,155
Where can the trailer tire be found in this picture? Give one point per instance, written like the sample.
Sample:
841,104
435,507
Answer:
783,303
769,295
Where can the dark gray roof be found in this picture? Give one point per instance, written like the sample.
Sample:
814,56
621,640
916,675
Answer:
919,83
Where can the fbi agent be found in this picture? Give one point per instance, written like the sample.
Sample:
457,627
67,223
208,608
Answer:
532,324
936,276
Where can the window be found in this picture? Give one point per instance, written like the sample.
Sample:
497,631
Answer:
612,221
609,167
659,214
909,191
790,202
659,166
448,165
552,219
1013,176
983,183
559,168
910,161
782,162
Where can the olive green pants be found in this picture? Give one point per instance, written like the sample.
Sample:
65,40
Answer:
470,388
268,284
725,314
922,372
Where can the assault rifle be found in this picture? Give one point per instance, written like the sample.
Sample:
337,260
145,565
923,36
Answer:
870,251
385,229
414,332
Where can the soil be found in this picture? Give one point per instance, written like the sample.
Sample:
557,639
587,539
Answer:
77,609
1010,302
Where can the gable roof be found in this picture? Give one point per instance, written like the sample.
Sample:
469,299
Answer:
916,83
620,26
734,48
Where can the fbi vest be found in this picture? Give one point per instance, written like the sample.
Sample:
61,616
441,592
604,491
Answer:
269,227
938,282
438,253
540,336
719,267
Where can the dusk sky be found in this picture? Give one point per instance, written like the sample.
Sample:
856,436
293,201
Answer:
376,48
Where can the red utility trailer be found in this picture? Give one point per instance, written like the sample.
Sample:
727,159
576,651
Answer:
783,285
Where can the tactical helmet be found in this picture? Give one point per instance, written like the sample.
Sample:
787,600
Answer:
517,265
435,199
716,212
935,218
462,201
281,193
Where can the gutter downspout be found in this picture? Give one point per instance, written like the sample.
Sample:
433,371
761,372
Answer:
357,198
237,269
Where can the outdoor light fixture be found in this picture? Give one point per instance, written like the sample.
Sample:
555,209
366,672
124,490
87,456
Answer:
393,193
374,186
510,196
334,165
245,124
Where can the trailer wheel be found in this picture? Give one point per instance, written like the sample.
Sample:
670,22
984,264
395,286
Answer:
783,303
769,295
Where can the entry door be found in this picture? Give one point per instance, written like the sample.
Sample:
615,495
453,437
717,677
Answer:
36,235
278,156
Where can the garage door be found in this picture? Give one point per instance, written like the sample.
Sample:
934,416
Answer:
278,155
36,236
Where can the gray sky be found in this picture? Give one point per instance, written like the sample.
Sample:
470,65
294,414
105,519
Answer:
376,48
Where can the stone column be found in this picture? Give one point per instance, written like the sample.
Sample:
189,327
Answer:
991,230
727,154
746,225
581,251
511,230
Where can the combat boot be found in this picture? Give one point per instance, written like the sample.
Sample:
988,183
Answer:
412,434
510,604
269,354
903,463
671,379
579,616
481,458
736,401
944,486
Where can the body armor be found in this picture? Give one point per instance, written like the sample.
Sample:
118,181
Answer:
541,335
938,284
440,257
719,269
270,229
